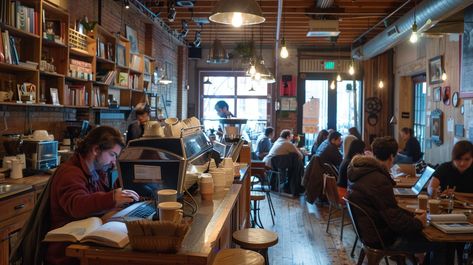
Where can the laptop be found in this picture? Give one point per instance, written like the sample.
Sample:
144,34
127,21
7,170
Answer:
135,211
417,188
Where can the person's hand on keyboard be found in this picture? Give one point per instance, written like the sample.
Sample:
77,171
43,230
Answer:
124,196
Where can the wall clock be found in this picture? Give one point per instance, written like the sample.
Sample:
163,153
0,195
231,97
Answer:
455,99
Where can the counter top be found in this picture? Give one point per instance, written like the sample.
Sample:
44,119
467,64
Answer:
11,187
197,246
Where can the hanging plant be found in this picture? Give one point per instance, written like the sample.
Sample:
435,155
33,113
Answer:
245,51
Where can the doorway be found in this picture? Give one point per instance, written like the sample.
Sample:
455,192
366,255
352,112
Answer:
340,103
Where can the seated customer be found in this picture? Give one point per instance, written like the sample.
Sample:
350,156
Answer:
136,128
371,187
282,146
322,136
457,173
263,144
329,151
357,147
411,152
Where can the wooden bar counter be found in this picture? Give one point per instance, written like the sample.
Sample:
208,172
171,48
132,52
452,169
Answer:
211,230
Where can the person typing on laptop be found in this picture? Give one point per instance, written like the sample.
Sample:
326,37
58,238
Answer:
81,188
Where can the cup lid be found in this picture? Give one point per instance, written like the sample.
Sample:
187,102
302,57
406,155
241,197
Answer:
170,205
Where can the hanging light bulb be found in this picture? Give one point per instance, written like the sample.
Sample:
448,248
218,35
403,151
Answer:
284,53
332,85
414,37
380,84
237,19
339,78
252,70
444,76
351,70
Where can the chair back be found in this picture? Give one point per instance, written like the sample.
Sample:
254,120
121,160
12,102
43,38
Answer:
353,217
331,191
331,170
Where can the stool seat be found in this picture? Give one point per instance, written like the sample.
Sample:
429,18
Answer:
257,196
255,238
238,256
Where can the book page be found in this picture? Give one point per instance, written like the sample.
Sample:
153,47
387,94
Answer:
447,217
454,227
73,231
112,234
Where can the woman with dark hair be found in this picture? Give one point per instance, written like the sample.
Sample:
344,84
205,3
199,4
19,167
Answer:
354,131
322,136
411,152
357,147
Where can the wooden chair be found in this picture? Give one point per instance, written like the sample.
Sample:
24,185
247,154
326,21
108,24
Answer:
374,255
335,204
238,256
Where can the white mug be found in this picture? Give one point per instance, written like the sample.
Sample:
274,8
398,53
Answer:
16,169
167,195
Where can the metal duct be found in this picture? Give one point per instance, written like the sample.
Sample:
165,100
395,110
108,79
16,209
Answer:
435,10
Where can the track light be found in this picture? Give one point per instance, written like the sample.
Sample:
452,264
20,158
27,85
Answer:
414,37
185,29
332,85
127,4
172,13
197,39
284,53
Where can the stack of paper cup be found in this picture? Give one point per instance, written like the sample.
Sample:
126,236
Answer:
227,162
228,176
219,180
236,169
206,186
213,165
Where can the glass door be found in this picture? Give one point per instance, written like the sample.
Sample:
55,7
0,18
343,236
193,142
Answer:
317,89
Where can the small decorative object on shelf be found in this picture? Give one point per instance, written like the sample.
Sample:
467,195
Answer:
26,93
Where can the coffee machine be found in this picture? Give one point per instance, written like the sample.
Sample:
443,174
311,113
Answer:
41,155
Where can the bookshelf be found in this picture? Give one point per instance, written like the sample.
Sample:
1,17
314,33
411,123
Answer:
65,67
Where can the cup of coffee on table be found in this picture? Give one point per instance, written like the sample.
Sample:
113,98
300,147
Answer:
170,211
434,206
422,199
167,195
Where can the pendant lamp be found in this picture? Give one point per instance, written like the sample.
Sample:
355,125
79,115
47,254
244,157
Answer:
207,81
217,54
237,13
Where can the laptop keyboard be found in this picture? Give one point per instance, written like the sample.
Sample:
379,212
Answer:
142,211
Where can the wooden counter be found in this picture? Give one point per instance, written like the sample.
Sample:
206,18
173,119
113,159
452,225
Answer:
211,230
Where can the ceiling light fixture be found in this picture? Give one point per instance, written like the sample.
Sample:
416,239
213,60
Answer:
127,4
172,12
414,37
444,75
380,84
237,13
351,70
332,85
207,81
284,52
339,78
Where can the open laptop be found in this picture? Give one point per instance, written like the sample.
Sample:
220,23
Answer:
135,211
417,188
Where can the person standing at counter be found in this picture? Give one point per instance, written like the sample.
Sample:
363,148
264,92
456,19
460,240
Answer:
222,109
80,188
137,127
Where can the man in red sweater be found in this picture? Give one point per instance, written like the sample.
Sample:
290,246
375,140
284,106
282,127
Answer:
80,187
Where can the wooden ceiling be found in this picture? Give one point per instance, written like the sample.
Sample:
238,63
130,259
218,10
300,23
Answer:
355,17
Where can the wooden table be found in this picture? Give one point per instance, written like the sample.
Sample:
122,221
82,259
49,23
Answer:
431,232
210,231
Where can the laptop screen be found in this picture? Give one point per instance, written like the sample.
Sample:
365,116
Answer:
424,178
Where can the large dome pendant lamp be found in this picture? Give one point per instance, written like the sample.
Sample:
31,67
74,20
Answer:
237,13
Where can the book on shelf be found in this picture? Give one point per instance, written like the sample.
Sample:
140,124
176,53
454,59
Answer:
135,62
111,234
2,49
6,46
21,17
123,79
14,52
451,223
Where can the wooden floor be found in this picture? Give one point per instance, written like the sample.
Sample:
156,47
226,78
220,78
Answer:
302,237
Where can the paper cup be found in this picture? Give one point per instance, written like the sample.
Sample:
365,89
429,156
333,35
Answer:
170,211
434,206
206,187
422,200
167,195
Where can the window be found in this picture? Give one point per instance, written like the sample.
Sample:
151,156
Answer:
420,89
246,99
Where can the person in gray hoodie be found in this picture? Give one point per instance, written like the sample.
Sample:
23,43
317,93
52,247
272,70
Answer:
371,187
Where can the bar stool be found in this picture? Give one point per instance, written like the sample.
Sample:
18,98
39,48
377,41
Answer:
238,256
256,197
261,183
256,239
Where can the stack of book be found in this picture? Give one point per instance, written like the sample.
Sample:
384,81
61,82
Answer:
107,77
8,49
76,95
80,69
19,16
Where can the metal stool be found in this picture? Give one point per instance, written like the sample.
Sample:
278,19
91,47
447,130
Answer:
256,239
238,256
261,183
256,197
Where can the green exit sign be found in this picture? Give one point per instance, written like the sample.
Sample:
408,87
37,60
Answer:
329,65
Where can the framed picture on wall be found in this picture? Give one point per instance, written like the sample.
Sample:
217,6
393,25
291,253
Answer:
121,55
436,126
54,96
466,67
437,95
435,70
132,36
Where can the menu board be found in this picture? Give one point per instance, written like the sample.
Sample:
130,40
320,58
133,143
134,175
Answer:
310,116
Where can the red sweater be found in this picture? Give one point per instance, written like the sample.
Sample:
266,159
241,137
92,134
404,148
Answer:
73,197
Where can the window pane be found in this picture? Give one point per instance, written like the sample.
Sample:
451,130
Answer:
345,106
244,84
252,108
221,85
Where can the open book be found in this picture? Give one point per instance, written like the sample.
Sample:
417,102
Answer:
451,223
112,234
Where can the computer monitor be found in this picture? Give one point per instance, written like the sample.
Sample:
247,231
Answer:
146,170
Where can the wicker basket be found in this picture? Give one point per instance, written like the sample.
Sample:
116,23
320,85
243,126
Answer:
158,236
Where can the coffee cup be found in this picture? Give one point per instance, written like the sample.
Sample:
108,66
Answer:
167,195
170,211
227,162
422,199
419,211
219,179
434,206
206,187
